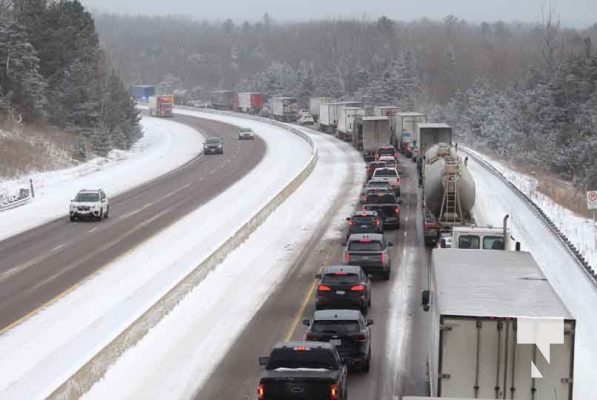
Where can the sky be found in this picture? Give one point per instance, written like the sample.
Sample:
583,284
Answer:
576,13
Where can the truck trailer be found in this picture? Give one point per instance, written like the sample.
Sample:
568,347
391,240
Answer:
349,121
427,135
328,114
285,109
142,93
404,129
486,309
315,104
376,133
248,102
161,106
222,99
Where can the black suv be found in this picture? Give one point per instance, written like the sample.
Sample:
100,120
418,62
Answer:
364,222
343,286
386,205
348,331
213,145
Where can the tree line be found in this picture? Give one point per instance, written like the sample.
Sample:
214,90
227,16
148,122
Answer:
53,70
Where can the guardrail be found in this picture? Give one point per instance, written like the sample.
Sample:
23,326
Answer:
94,369
25,195
567,243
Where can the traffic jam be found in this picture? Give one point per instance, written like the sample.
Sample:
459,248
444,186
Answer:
338,337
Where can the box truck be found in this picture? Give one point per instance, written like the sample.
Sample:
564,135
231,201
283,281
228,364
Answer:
285,109
488,311
375,134
161,106
248,102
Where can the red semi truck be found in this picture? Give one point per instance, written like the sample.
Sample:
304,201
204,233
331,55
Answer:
248,102
161,106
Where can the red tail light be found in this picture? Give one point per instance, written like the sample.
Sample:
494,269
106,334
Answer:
334,392
398,210
360,338
431,226
358,288
309,336
383,258
261,392
347,258
324,288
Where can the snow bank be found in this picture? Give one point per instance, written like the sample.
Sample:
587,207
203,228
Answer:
165,146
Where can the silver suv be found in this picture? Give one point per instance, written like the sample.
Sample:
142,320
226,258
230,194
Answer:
371,251
89,204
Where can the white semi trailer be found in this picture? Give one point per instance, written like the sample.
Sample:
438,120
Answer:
483,302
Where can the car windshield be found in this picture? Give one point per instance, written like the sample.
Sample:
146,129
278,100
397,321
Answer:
213,140
381,198
245,130
340,279
386,172
87,197
363,219
312,358
368,245
336,326
493,243
383,152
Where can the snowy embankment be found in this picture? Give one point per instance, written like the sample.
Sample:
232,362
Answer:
496,199
165,146
176,357
39,355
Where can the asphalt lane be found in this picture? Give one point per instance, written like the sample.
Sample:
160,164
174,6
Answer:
398,364
39,265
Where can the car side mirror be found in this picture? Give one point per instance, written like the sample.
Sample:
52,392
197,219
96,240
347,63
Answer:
348,218
263,360
317,276
390,244
369,322
306,322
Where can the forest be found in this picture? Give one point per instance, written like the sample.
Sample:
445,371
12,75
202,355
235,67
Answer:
54,74
523,92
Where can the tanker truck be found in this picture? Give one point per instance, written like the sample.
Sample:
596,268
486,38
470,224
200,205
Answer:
427,135
448,192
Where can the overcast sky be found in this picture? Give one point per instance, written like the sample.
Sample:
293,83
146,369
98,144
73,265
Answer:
579,13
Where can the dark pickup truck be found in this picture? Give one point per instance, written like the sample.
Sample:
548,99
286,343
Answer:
302,371
386,206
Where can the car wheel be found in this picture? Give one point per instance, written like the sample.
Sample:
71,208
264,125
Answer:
72,218
101,216
107,212
367,365
386,275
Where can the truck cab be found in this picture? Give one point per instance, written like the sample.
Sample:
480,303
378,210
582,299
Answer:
476,237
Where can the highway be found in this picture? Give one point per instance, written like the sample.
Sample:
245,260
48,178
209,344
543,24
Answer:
42,264
398,345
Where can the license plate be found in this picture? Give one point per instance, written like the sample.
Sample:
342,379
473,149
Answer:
340,292
364,257
364,226
336,342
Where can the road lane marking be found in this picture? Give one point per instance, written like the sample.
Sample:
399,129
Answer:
130,214
58,247
93,229
304,304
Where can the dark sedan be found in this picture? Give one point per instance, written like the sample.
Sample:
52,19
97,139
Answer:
213,145
343,286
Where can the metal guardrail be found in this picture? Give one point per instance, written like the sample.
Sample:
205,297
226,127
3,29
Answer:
14,204
567,243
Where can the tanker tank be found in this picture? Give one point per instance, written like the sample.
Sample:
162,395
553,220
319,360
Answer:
445,171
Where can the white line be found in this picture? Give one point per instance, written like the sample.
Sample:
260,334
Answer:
93,229
130,214
58,247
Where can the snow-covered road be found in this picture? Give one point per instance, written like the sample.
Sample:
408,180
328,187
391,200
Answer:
174,359
494,200
41,353
165,146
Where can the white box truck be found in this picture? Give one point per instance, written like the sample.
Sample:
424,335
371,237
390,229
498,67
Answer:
376,134
480,301
348,118
285,109
404,128
315,104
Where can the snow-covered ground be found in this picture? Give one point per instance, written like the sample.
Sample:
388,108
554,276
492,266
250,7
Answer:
494,200
175,358
581,231
164,146
41,353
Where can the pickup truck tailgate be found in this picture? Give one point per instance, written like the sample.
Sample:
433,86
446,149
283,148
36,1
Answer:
296,388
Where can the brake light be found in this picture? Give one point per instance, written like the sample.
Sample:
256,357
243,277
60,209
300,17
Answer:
397,210
334,392
358,288
301,348
383,258
341,273
431,226
309,336
365,241
360,338
377,222
347,257
261,392
324,288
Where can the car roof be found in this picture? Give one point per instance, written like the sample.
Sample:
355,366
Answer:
333,315
351,269
366,236
300,343
90,190
213,138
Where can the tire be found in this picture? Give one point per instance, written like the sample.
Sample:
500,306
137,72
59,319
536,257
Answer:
107,212
72,218
101,216
367,365
386,275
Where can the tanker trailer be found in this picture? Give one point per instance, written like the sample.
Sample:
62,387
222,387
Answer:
448,192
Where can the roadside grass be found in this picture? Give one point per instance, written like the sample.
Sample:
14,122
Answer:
33,148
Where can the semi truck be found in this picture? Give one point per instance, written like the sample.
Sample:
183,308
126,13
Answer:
328,114
490,312
348,122
248,102
427,135
385,111
142,93
285,109
315,104
375,134
222,99
404,128
161,106
449,192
